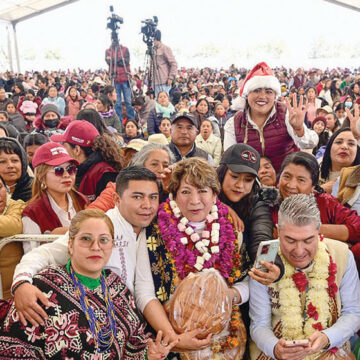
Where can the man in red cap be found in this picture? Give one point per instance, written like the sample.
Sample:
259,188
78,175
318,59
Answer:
272,128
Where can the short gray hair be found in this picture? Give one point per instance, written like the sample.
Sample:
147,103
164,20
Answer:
140,157
299,210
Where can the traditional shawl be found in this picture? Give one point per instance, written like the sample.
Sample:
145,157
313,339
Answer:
66,334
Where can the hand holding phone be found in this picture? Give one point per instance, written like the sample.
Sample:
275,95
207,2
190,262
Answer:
293,343
267,251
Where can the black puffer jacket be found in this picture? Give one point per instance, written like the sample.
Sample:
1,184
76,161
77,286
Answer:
258,226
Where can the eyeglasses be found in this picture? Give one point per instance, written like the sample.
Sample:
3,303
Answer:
59,170
87,241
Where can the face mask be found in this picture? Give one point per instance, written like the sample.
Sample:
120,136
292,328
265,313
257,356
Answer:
348,104
51,123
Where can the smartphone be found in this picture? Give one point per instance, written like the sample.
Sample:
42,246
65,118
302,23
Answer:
267,251
293,343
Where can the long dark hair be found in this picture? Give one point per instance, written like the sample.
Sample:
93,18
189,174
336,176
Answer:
333,90
326,163
93,117
244,207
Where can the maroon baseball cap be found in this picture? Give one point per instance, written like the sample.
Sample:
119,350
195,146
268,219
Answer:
78,132
52,154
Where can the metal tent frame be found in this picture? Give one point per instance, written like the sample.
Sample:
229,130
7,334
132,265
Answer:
15,11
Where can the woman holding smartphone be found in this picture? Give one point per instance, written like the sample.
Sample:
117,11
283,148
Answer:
240,189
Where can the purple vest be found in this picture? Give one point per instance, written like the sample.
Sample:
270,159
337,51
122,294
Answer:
276,143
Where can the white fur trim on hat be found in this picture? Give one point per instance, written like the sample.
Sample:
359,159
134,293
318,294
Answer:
259,82
238,104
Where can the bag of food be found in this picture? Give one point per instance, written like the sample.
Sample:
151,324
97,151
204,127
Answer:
202,300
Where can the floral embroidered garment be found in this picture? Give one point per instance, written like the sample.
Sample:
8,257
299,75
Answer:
66,334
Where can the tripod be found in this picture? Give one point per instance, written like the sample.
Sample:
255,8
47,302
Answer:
115,49
151,65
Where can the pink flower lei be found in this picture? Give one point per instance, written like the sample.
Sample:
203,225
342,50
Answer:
185,255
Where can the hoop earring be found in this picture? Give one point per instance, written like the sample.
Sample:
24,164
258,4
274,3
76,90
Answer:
43,186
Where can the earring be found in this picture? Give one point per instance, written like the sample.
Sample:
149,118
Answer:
43,186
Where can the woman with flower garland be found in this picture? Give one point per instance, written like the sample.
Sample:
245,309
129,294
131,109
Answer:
90,314
193,233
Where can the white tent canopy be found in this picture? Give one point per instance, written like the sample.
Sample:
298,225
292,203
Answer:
14,11
350,4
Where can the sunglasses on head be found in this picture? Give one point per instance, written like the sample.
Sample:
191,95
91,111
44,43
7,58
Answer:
70,169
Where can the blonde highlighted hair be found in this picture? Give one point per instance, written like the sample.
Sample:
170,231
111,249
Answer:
38,192
83,215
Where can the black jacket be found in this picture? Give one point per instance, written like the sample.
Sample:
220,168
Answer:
195,152
258,227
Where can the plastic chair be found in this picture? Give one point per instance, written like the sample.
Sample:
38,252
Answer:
35,240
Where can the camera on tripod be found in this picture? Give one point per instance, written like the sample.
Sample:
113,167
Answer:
114,21
148,30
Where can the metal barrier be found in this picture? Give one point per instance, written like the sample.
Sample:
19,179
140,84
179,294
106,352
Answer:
34,239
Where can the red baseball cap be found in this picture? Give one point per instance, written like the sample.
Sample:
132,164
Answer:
52,154
78,132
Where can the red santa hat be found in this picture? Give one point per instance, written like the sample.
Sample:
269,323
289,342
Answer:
261,76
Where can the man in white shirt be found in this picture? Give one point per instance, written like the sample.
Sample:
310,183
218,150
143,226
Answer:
317,301
137,200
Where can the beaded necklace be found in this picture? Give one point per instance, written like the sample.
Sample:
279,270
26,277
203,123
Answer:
103,334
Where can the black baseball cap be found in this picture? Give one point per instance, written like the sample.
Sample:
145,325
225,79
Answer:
241,158
184,115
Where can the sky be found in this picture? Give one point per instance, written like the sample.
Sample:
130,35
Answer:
201,33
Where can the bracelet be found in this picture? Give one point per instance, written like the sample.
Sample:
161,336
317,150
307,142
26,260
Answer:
18,284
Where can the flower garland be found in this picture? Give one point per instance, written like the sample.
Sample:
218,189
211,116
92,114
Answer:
321,285
232,339
184,251
192,253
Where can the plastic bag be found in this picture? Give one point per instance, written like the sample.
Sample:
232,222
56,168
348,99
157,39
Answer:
341,354
202,300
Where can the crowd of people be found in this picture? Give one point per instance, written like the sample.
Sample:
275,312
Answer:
161,198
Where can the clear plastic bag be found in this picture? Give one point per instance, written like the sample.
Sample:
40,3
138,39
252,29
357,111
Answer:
202,300
341,354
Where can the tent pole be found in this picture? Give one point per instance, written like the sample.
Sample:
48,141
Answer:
16,48
9,50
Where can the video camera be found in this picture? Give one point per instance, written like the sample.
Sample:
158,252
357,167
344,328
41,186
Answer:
148,30
114,21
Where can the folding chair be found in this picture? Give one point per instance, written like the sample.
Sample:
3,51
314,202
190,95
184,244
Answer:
35,240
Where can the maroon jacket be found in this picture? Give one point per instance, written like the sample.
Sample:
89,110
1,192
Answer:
123,55
89,183
276,143
299,81
41,212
